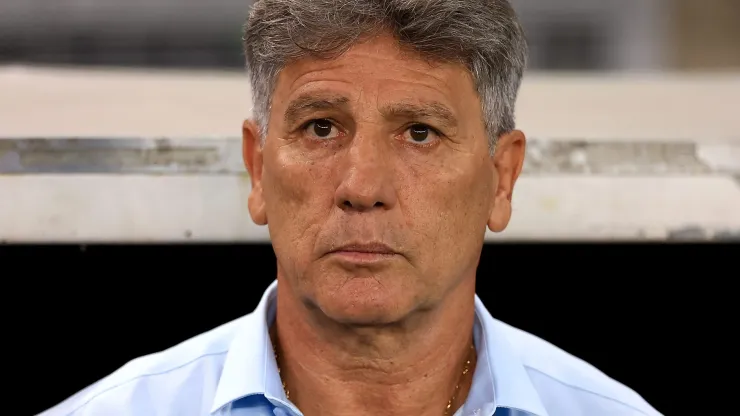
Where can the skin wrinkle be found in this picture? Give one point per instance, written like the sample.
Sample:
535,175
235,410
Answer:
312,103
482,34
383,337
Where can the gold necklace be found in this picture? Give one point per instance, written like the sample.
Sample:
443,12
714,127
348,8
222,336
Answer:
466,369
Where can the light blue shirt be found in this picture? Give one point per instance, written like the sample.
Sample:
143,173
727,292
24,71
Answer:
231,371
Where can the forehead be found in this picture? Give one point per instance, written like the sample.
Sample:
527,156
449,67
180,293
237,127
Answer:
379,69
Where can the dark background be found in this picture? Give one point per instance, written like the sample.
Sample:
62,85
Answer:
85,311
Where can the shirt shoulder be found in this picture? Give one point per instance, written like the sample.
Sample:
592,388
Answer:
184,376
569,385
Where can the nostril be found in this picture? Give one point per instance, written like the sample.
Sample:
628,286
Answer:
347,204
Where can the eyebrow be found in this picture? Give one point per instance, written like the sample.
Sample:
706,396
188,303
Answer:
308,103
421,111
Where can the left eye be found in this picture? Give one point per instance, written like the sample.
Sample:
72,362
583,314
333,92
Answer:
420,134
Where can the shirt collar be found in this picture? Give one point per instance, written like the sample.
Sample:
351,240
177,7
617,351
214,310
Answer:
250,367
500,379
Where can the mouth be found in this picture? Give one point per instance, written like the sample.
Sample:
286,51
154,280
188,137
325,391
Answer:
364,252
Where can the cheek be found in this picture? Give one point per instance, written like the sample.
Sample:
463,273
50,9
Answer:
292,181
297,195
285,186
448,208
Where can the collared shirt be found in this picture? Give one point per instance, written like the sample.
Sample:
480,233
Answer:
231,371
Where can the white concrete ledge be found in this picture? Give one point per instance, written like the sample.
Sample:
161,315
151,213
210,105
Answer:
172,208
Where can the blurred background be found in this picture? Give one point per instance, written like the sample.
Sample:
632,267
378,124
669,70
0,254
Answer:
605,35
120,122
630,107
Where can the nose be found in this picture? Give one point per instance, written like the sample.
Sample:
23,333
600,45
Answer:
367,178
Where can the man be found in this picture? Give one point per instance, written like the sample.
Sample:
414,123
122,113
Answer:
382,146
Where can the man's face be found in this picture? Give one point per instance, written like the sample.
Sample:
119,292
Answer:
376,181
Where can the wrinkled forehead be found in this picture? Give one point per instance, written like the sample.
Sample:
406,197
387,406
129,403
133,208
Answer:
377,70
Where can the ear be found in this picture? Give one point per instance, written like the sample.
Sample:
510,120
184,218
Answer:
252,154
508,161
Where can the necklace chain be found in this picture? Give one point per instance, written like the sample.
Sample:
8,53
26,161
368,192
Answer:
466,370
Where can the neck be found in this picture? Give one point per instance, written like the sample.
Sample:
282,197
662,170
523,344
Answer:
413,367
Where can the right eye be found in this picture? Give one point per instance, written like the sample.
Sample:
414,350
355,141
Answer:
322,129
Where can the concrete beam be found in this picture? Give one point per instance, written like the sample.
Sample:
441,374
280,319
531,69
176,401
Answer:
223,156
140,190
104,155
206,208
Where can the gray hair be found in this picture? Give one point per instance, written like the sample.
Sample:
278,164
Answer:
483,35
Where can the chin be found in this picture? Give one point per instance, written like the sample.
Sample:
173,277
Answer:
375,299
361,314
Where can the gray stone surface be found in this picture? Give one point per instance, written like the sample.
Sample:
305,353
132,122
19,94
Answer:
223,156
613,158
120,156
698,233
